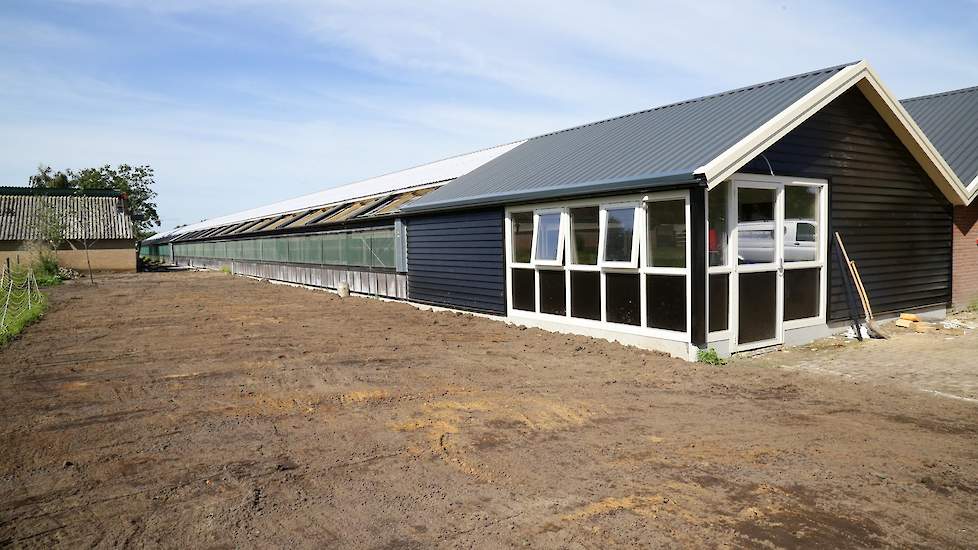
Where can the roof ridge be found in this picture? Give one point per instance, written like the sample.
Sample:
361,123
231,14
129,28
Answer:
942,94
703,98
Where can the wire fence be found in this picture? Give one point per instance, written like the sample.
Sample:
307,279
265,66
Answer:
20,297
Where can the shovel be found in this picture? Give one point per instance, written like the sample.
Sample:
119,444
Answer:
871,325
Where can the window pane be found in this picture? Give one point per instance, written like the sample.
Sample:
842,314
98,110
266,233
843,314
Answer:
553,298
622,298
307,250
618,235
584,231
801,293
755,225
717,216
275,250
524,289
522,236
665,302
548,236
333,244
382,248
586,294
801,223
667,233
758,306
719,301
358,248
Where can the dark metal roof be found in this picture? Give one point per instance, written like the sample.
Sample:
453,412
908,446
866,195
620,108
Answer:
658,147
950,120
30,215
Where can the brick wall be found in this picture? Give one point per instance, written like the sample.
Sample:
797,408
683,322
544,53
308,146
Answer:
964,281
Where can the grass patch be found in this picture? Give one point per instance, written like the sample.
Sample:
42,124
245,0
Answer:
26,317
710,357
225,269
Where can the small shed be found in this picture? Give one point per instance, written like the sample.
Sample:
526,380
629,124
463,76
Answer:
76,220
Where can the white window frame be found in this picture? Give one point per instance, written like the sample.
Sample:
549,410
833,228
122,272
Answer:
571,253
636,234
510,235
561,223
638,267
732,267
646,269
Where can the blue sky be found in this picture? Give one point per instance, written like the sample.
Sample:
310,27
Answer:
238,103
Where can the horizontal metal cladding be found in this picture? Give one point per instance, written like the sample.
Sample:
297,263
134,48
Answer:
361,281
457,260
652,148
895,223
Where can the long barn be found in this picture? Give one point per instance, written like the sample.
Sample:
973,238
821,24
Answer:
701,224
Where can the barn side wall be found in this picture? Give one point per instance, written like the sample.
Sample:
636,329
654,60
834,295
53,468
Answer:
105,255
895,223
457,260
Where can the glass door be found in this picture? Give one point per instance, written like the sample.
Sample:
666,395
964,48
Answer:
778,255
758,237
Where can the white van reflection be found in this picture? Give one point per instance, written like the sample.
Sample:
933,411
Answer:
755,242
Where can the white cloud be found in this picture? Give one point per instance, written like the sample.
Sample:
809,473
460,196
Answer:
439,78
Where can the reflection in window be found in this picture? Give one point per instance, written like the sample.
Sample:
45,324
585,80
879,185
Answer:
618,234
548,236
755,225
801,223
584,235
667,233
522,236
717,215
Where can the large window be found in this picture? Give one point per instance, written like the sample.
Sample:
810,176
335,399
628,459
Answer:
585,231
619,237
621,262
547,247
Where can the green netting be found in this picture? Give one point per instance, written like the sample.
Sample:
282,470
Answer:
234,250
306,250
334,245
275,250
250,250
358,249
382,248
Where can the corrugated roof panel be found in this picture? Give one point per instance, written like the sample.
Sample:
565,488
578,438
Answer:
950,120
426,174
665,145
22,216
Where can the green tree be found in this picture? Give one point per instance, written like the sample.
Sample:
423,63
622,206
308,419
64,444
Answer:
134,182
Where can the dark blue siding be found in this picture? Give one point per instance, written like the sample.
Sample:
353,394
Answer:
457,260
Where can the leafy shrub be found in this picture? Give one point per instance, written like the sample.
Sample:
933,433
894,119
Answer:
710,357
46,269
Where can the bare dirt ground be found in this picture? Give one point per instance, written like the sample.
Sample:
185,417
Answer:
201,410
